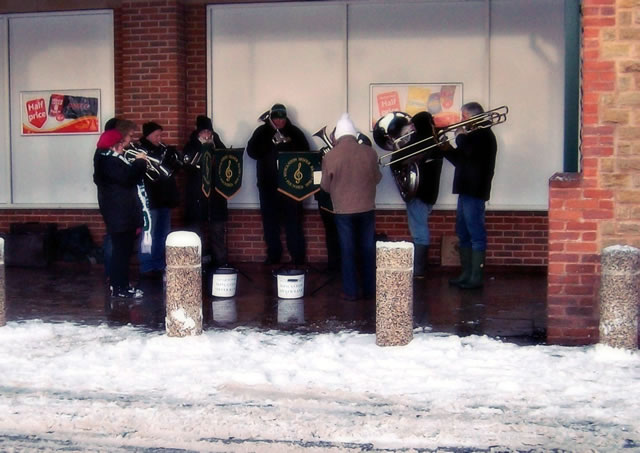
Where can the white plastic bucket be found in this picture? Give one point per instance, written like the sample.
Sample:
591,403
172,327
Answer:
290,284
224,282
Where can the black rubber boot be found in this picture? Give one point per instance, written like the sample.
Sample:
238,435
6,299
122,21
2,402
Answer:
465,263
420,259
477,271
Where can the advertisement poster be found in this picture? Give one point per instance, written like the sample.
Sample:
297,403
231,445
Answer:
60,112
442,100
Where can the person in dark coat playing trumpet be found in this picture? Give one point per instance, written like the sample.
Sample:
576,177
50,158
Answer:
205,209
163,195
119,199
275,135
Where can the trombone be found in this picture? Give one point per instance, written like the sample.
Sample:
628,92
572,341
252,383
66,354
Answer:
393,131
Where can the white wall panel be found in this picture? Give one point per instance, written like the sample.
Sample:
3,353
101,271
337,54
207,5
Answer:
431,42
294,54
527,74
60,51
5,149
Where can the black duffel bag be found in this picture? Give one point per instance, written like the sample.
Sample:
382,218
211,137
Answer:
31,244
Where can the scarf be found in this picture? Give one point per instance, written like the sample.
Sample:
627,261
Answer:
145,243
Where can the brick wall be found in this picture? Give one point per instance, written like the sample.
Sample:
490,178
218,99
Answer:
150,65
516,238
599,206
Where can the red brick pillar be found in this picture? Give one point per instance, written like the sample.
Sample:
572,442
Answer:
600,206
150,65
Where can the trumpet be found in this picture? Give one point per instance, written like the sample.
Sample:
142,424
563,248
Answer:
170,158
155,169
393,131
278,138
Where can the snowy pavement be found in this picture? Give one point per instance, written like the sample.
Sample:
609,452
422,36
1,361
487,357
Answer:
73,387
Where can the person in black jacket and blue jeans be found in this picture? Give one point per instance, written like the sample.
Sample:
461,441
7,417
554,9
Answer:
119,199
419,207
163,195
474,161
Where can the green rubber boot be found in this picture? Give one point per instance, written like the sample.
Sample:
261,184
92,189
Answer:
465,262
477,271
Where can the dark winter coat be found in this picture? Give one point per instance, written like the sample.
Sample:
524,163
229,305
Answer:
475,161
429,164
261,148
162,192
198,208
117,183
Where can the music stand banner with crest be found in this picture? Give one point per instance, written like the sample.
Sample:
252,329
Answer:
299,173
228,171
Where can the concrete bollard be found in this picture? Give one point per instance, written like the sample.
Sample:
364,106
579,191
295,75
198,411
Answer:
183,290
394,293
3,294
619,291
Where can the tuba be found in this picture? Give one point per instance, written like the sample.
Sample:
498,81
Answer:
329,139
278,138
394,131
155,169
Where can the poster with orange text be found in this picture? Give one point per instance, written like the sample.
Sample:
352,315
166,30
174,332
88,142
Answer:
442,100
60,112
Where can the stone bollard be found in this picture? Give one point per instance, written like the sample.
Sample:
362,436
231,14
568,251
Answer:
619,291
394,293
183,290
3,298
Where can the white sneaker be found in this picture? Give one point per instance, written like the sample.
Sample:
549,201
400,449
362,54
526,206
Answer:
130,293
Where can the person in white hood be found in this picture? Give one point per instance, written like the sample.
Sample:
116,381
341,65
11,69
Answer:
350,173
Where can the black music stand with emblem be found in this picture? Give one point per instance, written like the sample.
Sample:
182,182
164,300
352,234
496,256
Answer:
227,177
299,175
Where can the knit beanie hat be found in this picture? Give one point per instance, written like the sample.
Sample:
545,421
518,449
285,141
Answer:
278,111
109,138
111,123
204,123
345,127
149,128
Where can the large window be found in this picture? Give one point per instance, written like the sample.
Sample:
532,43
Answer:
51,52
321,58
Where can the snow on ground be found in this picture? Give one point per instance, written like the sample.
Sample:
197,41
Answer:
87,388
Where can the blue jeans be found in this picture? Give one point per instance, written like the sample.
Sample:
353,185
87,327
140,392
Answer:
356,234
418,217
470,226
160,229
